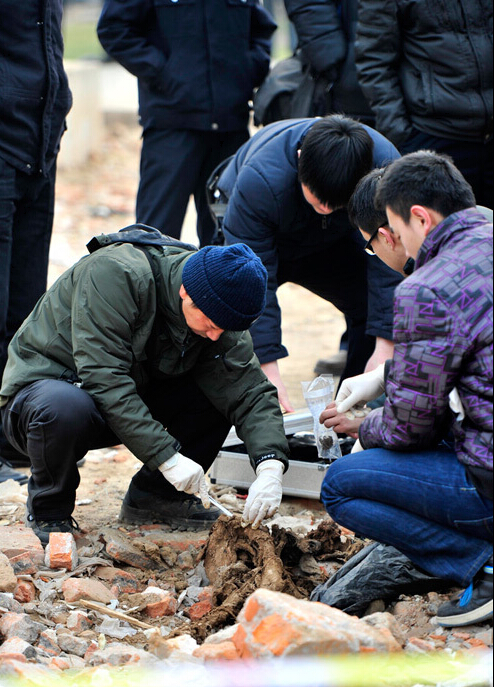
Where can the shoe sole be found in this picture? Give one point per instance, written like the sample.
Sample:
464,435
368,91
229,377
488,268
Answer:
138,516
478,615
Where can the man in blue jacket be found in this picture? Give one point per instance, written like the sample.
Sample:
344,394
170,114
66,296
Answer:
287,189
197,63
34,100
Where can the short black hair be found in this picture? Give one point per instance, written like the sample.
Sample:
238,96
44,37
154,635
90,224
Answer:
424,178
362,210
336,152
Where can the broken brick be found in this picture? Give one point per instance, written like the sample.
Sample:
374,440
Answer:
198,610
23,564
48,642
8,580
21,626
61,551
75,589
276,624
25,591
17,649
125,582
78,621
18,539
123,551
223,651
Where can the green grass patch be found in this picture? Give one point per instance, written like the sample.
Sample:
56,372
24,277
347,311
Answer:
81,41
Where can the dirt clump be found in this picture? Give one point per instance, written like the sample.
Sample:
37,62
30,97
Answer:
238,560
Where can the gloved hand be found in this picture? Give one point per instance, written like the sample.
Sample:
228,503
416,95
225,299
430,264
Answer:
362,388
264,494
186,475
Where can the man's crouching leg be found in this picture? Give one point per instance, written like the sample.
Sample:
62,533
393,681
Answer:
54,423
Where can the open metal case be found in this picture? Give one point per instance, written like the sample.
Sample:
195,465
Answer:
304,477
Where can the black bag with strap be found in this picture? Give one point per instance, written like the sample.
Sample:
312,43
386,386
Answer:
139,235
291,91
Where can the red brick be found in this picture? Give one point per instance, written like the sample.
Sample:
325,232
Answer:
17,539
78,622
125,582
167,605
198,610
283,626
17,649
23,564
75,589
206,594
61,551
223,651
25,592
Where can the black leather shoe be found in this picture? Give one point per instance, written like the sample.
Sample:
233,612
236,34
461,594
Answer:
183,513
6,473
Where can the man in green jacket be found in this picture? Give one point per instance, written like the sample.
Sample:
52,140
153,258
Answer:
149,348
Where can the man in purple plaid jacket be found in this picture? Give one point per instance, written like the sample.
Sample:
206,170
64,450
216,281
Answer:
410,488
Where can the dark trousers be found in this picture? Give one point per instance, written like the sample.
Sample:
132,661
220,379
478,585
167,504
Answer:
339,275
176,164
474,160
56,424
26,220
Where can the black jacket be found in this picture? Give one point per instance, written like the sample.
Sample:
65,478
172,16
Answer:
197,61
427,64
326,31
268,211
34,91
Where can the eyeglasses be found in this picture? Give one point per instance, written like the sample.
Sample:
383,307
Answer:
368,246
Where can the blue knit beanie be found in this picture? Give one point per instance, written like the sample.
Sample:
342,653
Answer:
228,284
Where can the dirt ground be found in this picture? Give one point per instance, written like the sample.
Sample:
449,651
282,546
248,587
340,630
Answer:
99,198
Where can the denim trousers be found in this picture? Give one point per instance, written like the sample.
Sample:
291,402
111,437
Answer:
56,423
26,220
423,504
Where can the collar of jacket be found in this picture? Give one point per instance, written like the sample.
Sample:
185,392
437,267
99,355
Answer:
446,231
169,301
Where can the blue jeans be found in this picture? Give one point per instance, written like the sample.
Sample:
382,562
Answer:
423,504
26,220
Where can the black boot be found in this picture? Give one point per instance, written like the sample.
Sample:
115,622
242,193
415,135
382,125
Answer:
182,512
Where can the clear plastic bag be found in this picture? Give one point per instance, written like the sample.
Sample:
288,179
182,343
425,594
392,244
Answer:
318,393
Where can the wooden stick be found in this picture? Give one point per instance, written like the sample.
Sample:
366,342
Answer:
115,614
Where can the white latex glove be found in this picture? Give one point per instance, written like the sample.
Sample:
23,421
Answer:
264,494
186,475
362,388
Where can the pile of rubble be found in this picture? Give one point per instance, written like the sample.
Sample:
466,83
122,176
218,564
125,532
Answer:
127,596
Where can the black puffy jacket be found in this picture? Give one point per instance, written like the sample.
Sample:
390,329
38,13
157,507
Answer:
326,31
34,91
427,64
268,212
197,61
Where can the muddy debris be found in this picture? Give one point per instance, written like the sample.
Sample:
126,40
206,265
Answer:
238,560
